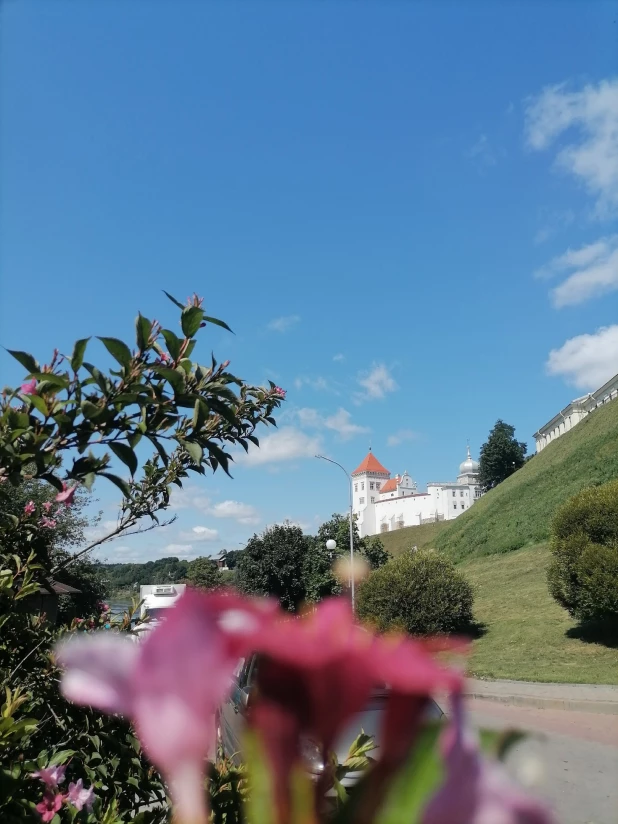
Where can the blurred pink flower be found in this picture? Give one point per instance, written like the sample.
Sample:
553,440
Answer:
170,684
66,496
279,391
47,522
29,388
47,506
51,776
477,791
30,508
79,796
49,806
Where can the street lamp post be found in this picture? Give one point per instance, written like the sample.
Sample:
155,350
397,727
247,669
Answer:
330,460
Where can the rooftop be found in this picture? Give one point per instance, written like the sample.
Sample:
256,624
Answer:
370,464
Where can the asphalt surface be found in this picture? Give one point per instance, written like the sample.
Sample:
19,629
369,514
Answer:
571,759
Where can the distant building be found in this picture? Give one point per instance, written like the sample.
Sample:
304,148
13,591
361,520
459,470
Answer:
576,411
382,503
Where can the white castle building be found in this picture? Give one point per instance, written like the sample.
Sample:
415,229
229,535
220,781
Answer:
382,503
576,411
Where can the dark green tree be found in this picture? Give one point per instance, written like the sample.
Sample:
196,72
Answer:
337,528
273,563
501,455
203,573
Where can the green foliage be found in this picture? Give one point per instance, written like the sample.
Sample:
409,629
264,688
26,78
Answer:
203,573
273,564
125,578
519,511
583,575
338,529
501,455
419,592
62,427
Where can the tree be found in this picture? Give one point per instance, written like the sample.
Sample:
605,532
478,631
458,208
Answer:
583,574
273,563
338,529
419,592
501,455
203,573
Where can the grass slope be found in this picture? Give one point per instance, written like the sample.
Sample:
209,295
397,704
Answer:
519,511
528,636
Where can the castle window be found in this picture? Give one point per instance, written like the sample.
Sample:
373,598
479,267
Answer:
373,500
355,487
461,494
371,485
454,493
361,500
363,486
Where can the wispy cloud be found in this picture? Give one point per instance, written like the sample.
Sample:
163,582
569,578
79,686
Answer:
590,153
338,357
174,550
284,323
482,152
319,383
287,444
587,361
340,422
199,533
401,436
377,383
237,511
593,272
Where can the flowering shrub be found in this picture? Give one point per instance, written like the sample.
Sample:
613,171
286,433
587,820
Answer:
63,426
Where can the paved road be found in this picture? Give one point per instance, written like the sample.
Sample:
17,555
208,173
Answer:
573,763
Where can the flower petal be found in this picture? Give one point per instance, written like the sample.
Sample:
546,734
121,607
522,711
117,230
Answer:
98,671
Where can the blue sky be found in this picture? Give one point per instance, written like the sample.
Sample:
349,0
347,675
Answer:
405,210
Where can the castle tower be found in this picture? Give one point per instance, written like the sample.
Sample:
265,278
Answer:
367,480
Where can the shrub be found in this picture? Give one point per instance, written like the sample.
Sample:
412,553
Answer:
418,592
583,575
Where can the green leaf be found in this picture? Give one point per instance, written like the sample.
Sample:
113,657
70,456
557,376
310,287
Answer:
190,320
159,447
196,453
79,350
118,350
418,779
122,485
92,411
172,376
260,801
173,299
26,360
142,331
126,455
200,413
220,455
39,404
217,322
60,757
173,343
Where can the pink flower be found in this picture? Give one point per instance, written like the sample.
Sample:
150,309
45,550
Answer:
49,806
51,776
47,522
170,684
47,506
66,496
476,791
30,508
29,388
279,391
79,796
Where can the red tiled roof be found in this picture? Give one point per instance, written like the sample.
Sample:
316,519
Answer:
390,486
370,464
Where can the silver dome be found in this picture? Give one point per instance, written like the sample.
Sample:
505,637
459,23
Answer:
469,466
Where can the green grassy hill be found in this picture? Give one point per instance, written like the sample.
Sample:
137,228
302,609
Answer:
519,511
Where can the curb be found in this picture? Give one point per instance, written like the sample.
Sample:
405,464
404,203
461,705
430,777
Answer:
542,703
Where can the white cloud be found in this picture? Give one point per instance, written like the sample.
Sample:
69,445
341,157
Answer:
283,324
190,497
319,383
199,533
177,549
587,361
287,444
100,530
401,436
338,357
243,513
377,383
340,422
593,272
590,151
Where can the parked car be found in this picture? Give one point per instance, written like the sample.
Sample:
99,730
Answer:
232,721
